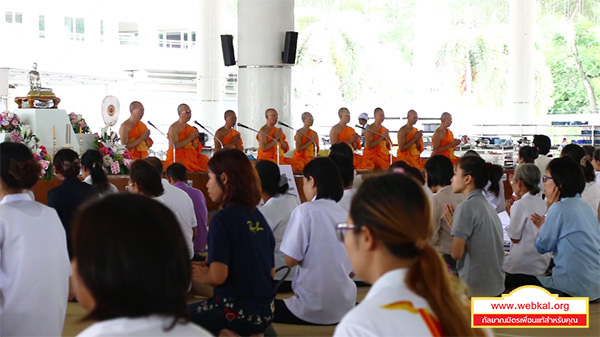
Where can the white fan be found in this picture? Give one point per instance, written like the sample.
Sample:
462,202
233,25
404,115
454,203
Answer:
110,110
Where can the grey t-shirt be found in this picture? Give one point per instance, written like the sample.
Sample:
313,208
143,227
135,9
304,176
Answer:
476,221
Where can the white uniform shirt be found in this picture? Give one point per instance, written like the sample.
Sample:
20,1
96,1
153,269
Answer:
524,258
441,238
591,195
542,162
111,188
34,268
142,326
498,202
181,204
324,290
347,199
277,211
390,309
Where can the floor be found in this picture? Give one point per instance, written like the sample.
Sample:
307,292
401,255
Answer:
75,312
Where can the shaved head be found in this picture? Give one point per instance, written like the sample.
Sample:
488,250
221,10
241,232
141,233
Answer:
305,115
377,111
445,116
343,111
411,113
183,107
270,110
134,105
228,113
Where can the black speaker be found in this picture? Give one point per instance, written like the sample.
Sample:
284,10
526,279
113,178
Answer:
289,51
227,46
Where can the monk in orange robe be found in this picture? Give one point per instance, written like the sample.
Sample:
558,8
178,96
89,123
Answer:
306,139
187,146
410,142
267,147
230,137
342,133
134,134
443,141
377,148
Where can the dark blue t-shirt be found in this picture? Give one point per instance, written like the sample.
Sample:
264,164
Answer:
242,239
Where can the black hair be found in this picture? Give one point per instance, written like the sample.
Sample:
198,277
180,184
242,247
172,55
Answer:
145,176
596,154
18,168
345,166
567,176
589,150
177,172
476,168
439,170
327,178
529,154
413,172
67,163
543,143
270,178
92,161
471,153
495,173
577,153
342,148
144,267
156,163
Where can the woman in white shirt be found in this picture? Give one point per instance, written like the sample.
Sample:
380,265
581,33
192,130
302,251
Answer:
591,192
34,268
524,262
387,239
323,289
138,285
277,209
93,172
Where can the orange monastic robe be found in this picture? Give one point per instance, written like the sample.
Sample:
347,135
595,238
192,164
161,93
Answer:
141,150
309,152
360,163
189,156
228,137
449,138
271,154
412,156
379,155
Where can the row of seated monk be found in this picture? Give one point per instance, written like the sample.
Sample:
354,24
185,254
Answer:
273,144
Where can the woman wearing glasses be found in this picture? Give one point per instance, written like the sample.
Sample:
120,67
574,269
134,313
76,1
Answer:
322,284
570,231
387,239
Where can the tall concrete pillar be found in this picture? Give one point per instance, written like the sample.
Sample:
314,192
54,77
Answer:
521,61
263,80
210,74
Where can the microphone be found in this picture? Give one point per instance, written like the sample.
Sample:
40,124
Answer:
302,133
210,133
377,133
264,134
157,129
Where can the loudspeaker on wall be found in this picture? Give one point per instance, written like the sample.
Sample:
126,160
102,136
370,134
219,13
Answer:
289,51
227,46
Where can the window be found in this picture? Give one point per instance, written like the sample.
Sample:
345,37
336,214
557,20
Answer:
75,29
101,30
42,26
16,17
8,17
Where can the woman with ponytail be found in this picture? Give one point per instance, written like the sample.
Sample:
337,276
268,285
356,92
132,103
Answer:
71,193
494,190
387,238
93,172
34,277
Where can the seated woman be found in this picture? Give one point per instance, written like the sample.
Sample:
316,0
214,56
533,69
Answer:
34,265
591,192
72,192
527,155
494,189
387,238
277,208
92,171
322,284
240,251
524,262
138,285
570,231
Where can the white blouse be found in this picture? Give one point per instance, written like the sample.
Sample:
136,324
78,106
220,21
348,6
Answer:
142,326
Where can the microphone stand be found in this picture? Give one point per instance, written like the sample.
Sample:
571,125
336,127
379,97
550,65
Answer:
381,135
210,133
302,133
152,125
264,134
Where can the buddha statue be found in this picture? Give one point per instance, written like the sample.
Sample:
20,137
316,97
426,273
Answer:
35,85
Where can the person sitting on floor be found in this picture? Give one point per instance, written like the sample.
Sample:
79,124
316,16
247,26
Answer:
377,148
268,147
188,148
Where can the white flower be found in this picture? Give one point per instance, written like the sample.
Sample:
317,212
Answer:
10,115
5,122
107,160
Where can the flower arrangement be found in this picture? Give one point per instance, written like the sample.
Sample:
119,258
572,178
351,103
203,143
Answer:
78,123
117,159
9,122
25,135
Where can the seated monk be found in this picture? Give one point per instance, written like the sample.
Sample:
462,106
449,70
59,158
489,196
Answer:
410,142
134,134
305,148
267,148
443,141
187,146
377,148
342,133
229,136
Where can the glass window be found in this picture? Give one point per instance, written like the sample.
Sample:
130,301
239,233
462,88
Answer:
80,26
42,23
8,17
69,25
18,17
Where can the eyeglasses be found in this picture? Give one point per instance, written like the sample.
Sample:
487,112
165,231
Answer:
186,112
545,178
341,228
272,115
129,186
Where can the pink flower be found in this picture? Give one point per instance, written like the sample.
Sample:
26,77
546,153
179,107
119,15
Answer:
114,167
44,164
127,162
15,122
16,137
